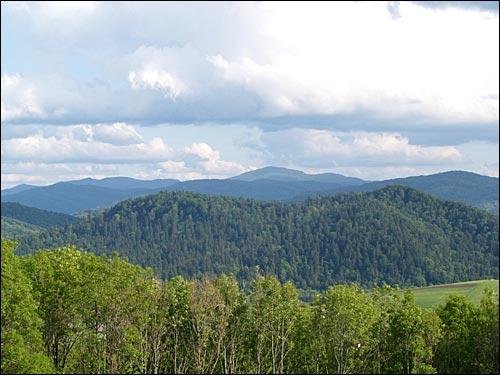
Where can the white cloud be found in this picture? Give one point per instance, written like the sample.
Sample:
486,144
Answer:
201,155
324,148
345,58
332,65
74,147
69,152
383,79
173,166
159,80
19,98
118,134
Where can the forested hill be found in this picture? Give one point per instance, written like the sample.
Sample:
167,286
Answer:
36,216
471,188
396,235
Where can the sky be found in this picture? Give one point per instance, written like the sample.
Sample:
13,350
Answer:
149,90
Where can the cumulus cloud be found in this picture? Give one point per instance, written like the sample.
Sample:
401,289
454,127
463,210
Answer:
50,153
368,85
174,167
105,143
209,160
118,134
324,148
267,66
19,98
159,80
409,74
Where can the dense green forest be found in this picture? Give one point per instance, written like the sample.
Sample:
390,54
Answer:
15,229
69,311
395,235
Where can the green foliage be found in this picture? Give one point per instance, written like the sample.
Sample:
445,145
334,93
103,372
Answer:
22,346
344,319
69,311
470,336
94,309
15,229
395,235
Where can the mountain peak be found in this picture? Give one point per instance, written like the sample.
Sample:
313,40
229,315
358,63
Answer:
286,174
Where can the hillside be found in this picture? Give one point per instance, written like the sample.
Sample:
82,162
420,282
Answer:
88,194
126,183
268,190
35,216
470,188
437,294
17,189
15,229
69,198
396,235
270,184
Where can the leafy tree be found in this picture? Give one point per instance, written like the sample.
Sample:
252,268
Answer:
69,311
22,345
344,317
454,354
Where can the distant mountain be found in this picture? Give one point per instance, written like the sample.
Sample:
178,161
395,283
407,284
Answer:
396,235
126,183
36,216
17,189
79,195
271,183
467,187
89,194
285,174
257,189
69,198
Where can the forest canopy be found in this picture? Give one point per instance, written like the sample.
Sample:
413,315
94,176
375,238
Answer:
395,235
71,311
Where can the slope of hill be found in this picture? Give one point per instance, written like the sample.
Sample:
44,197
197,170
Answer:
269,183
285,174
17,189
396,235
435,295
36,216
69,198
15,229
89,194
126,183
470,188
268,190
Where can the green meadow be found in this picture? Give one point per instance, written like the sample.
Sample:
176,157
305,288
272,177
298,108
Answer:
435,295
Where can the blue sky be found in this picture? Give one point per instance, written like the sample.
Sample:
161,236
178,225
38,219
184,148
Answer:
210,90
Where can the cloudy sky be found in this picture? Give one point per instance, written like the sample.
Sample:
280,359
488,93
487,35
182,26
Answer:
209,90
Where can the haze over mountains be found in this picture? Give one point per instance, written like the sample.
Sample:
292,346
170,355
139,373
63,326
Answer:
270,183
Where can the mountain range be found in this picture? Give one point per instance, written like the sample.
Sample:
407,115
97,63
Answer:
270,184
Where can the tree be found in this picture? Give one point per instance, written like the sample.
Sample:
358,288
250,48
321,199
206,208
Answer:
270,323
344,317
455,353
21,339
413,333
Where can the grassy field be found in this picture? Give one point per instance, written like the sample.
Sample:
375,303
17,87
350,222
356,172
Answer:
435,295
